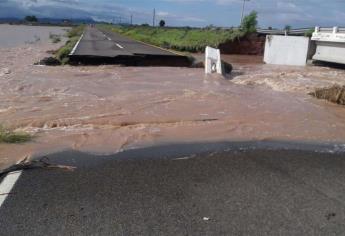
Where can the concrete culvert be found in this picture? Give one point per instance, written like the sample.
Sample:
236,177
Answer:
335,94
227,67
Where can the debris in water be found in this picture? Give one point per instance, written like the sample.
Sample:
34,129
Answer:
335,94
42,163
330,216
5,71
49,61
206,219
227,67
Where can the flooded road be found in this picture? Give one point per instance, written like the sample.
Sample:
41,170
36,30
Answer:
105,109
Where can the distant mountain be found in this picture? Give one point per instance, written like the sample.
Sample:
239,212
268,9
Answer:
49,20
76,20
8,19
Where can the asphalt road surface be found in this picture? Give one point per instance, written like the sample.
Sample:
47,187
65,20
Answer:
105,45
201,189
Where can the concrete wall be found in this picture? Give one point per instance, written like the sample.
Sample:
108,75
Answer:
330,44
286,50
330,52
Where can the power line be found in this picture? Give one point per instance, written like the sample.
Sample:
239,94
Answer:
154,17
243,7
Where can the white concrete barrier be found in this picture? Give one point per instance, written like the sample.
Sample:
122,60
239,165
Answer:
330,43
213,62
286,50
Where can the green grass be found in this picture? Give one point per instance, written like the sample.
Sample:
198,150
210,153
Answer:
9,136
73,37
180,39
76,31
309,33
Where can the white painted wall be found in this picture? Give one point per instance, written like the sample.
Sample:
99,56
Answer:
286,50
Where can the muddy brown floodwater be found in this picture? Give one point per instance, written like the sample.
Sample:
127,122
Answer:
105,109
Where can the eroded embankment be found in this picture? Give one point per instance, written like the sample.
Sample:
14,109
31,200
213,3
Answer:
251,44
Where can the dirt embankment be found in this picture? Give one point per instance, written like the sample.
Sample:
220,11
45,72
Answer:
335,94
252,44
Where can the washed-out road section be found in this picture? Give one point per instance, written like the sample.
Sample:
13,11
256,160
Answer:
101,47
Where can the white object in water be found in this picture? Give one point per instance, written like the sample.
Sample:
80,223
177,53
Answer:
213,62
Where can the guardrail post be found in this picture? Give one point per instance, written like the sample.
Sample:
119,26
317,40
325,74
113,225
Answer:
335,29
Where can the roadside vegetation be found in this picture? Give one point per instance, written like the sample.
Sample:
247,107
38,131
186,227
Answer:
186,38
9,136
55,38
73,37
309,33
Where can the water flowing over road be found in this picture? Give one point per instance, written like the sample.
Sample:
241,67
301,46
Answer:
105,109
250,153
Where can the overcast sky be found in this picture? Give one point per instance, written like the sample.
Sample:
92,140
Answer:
275,13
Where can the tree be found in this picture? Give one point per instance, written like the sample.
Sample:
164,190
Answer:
287,28
250,22
162,23
31,19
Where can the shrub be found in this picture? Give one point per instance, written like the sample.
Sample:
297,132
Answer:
8,136
250,23
162,23
31,19
309,33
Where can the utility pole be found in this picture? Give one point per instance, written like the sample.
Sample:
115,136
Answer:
243,7
131,19
154,17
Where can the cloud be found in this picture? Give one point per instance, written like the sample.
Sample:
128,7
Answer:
101,10
274,13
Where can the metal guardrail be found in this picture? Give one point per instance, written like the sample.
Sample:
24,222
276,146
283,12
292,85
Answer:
301,31
283,32
333,35
331,29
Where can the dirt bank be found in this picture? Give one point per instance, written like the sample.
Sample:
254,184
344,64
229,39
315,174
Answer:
252,44
335,94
